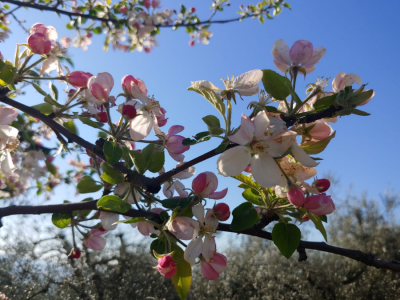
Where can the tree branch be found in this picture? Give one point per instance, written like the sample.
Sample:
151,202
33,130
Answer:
357,255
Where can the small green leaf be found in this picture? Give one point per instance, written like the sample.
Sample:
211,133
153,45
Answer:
244,216
156,162
158,246
51,101
38,88
212,121
89,122
70,125
317,147
112,152
44,108
272,109
54,90
286,237
52,169
88,185
360,112
138,161
183,276
212,97
222,147
131,221
97,30
251,196
276,85
61,220
324,218
113,203
324,102
364,96
175,202
247,181
7,74
287,5
111,175
318,224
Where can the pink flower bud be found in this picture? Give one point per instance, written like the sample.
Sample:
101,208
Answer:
305,218
248,169
296,196
205,185
214,267
123,10
156,4
191,43
193,10
100,86
102,117
49,158
71,92
222,212
319,204
134,86
301,52
147,50
166,266
75,253
322,185
39,44
78,79
1,56
147,3
129,111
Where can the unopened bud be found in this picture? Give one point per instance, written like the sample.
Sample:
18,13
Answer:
129,111
102,117
222,212
75,253
322,185
166,266
296,196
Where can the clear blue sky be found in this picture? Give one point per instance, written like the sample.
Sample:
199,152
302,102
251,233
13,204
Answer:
360,37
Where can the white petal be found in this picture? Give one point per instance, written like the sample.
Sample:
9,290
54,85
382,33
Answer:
140,126
245,133
249,92
198,212
247,80
193,250
261,122
233,161
279,143
302,157
168,189
280,53
265,170
206,84
209,248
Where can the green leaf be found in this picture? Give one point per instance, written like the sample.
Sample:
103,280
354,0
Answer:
7,74
52,169
112,152
296,98
324,102
51,101
138,161
113,203
97,30
212,121
364,96
287,5
247,181
212,97
324,218
38,88
317,147
61,220
44,108
70,125
318,224
275,84
200,137
175,202
153,159
360,112
251,196
111,175
244,216
54,90
88,185
158,246
222,147
130,221
126,155
91,123
272,109
286,237
183,276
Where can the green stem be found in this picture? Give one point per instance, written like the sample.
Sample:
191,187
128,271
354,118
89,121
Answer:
35,63
303,103
134,198
294,89
24,63
43,78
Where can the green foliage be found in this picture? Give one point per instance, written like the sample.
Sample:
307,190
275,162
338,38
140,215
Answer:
286,237
88,185
112,152
113,203
61,220
111,175
244,216
317,147
276,85
183,276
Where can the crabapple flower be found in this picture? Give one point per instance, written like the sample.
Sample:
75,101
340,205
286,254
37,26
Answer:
296,196
183,228
205,185
135,87
78,79
146,228
102,117
94,240
174,184
146,119
253,139
108,219
100,86
41,38
245,84
302,53
222,212
342,80
173,143
123,188
166,266
320,204
8,138
212,268
206,227
75,253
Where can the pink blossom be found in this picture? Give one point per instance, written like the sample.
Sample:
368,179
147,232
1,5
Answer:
147,3
205,185
94,240
222,212
296,196
39,44
100,86
342,80
173,143
302,53
183,228
123,9
134,86
8,138
166,266
320,131
174,184
319,204
156,4
65,41
78,79
162,120
129,111
102,117
146,228
108,219
212,268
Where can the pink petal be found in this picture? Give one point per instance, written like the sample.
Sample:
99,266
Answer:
199,183
218,195
281,54
301,52
245,133
174,130
208,271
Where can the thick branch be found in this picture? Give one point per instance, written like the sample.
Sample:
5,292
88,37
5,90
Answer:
68,13
360,256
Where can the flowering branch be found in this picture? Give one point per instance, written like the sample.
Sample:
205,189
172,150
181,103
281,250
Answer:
357,255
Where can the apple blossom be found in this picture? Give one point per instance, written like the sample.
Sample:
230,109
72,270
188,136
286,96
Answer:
173,143
342,80
123,10
206,227
183,228
123,188
100,86
108,219
94,240
296,196
78,79
135,87
146,119
302,53
166,266
221,211
212,268
41,38
205,185
174,184
8,138
146,228
156,3
322,185
319,204
129,111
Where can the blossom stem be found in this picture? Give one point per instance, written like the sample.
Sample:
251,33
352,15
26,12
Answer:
303,103
24,63
134,198
35,63
295,72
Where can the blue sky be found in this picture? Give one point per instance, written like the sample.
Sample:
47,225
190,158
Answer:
359,38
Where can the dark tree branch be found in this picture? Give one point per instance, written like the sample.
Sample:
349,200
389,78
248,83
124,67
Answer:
366,258
70,14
